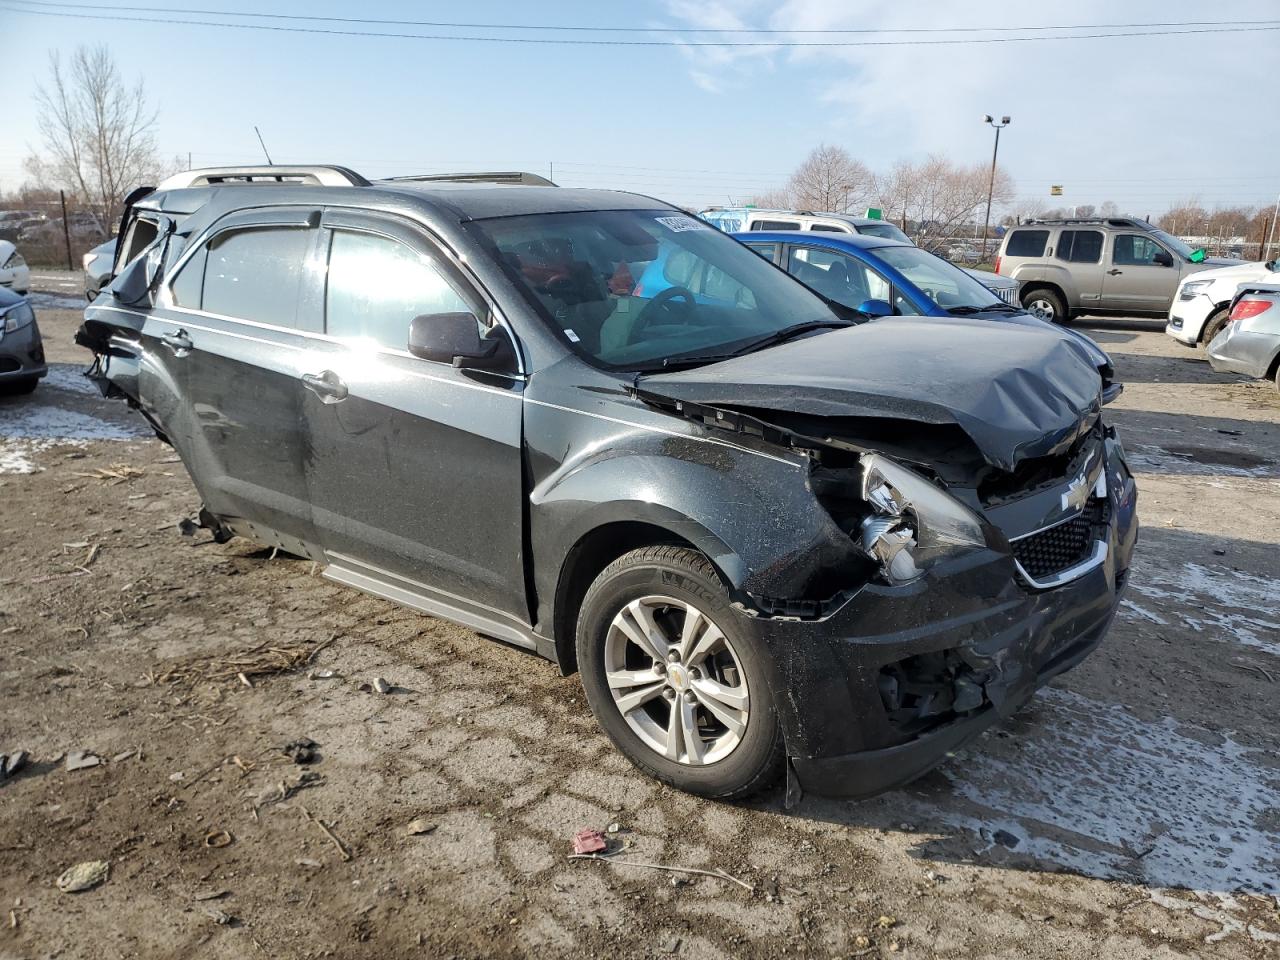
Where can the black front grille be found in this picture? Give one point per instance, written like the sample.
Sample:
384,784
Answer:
1059,548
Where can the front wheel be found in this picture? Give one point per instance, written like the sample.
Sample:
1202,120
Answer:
1212,327
1045,304
680,690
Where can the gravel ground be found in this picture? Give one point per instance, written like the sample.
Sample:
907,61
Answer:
1132,810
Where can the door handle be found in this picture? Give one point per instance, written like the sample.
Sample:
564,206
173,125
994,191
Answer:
178,342
1113,272
327,385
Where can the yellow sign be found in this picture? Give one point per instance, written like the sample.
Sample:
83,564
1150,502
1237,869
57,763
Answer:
1055,190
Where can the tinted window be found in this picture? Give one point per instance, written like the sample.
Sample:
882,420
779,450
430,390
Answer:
828,228
766,250
775,225
256,274
377,285
189,283
1080,246
1135,250
886,231
1026,243
836,276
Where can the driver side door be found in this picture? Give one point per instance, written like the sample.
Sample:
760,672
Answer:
1142,275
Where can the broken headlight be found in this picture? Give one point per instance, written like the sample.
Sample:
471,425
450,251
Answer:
913,524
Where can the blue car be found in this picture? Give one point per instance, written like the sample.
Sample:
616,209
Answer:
882,277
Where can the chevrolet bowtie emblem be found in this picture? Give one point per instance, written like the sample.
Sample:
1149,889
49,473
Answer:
1077,492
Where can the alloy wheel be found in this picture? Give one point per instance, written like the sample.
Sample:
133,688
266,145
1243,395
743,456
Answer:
1041,308
676,680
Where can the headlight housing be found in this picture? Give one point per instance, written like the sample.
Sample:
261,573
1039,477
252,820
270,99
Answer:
1189,291
16,317
913,524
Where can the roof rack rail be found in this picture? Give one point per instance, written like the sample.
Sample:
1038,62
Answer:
1131,222
497,176
323,175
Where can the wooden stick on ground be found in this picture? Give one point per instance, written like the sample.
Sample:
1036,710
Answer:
718,874
346,854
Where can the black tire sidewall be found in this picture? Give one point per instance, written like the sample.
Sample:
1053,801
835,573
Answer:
1212,327
757,758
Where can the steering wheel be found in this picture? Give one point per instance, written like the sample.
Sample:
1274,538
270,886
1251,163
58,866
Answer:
663,302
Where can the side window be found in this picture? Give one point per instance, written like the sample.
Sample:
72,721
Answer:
828,228
1026,243
141,235
775,225
766,250
188,285
1134,250
1080,246
254,273
836,276
377,285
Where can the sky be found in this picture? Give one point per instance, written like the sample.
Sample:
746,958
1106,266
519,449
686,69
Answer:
1143,121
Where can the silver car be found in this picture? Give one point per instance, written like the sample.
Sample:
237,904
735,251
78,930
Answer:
1250,342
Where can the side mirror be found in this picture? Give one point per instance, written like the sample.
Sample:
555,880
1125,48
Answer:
453,338
875,308
132,285
1165,259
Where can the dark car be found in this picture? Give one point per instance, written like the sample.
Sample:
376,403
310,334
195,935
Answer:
22,361
763,530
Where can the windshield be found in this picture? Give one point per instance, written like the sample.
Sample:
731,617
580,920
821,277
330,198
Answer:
946,285
886,231
1173,243
630,289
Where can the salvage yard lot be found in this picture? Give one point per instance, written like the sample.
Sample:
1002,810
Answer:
1132,810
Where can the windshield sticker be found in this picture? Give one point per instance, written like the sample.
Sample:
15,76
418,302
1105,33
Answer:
573,336
681,224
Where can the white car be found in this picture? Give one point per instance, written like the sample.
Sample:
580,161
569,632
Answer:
14,273
1200,308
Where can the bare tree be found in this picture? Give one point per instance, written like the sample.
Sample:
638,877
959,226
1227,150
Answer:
829,180
97,132
937,200
1109,209
780,199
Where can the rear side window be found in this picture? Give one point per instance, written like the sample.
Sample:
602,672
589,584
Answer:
1080,246
1026,243
828,228
377,286
775,225
254,274
766,250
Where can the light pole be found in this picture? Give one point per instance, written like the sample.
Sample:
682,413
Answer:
991,185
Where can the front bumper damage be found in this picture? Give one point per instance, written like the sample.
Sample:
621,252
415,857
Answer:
883,689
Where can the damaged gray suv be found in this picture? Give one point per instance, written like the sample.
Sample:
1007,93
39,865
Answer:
765,529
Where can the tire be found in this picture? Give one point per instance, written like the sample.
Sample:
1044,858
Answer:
1212,327
733,752
1044,303
20,386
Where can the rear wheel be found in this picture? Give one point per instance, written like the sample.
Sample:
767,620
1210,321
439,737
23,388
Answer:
1212,327
678,688
1044,303
20,386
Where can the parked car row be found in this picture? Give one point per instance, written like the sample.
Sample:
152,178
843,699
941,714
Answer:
750,219
767,528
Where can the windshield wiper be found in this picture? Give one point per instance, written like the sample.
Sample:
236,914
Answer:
966,310
788,333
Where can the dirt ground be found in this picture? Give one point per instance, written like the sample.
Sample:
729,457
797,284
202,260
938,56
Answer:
1132,810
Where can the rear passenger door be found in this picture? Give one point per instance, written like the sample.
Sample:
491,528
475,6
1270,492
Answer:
415,467
240,317
1142,275
1080,251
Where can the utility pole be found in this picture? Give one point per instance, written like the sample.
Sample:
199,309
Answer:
991,185
66,230
1272,230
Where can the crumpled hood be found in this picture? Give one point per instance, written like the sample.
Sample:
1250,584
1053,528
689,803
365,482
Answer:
1017,391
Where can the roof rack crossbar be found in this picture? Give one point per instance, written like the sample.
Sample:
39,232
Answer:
324,175
495,176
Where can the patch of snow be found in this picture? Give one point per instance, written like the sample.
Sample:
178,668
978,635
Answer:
1103,793
1143,612
1239,607
1148,458
53,301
